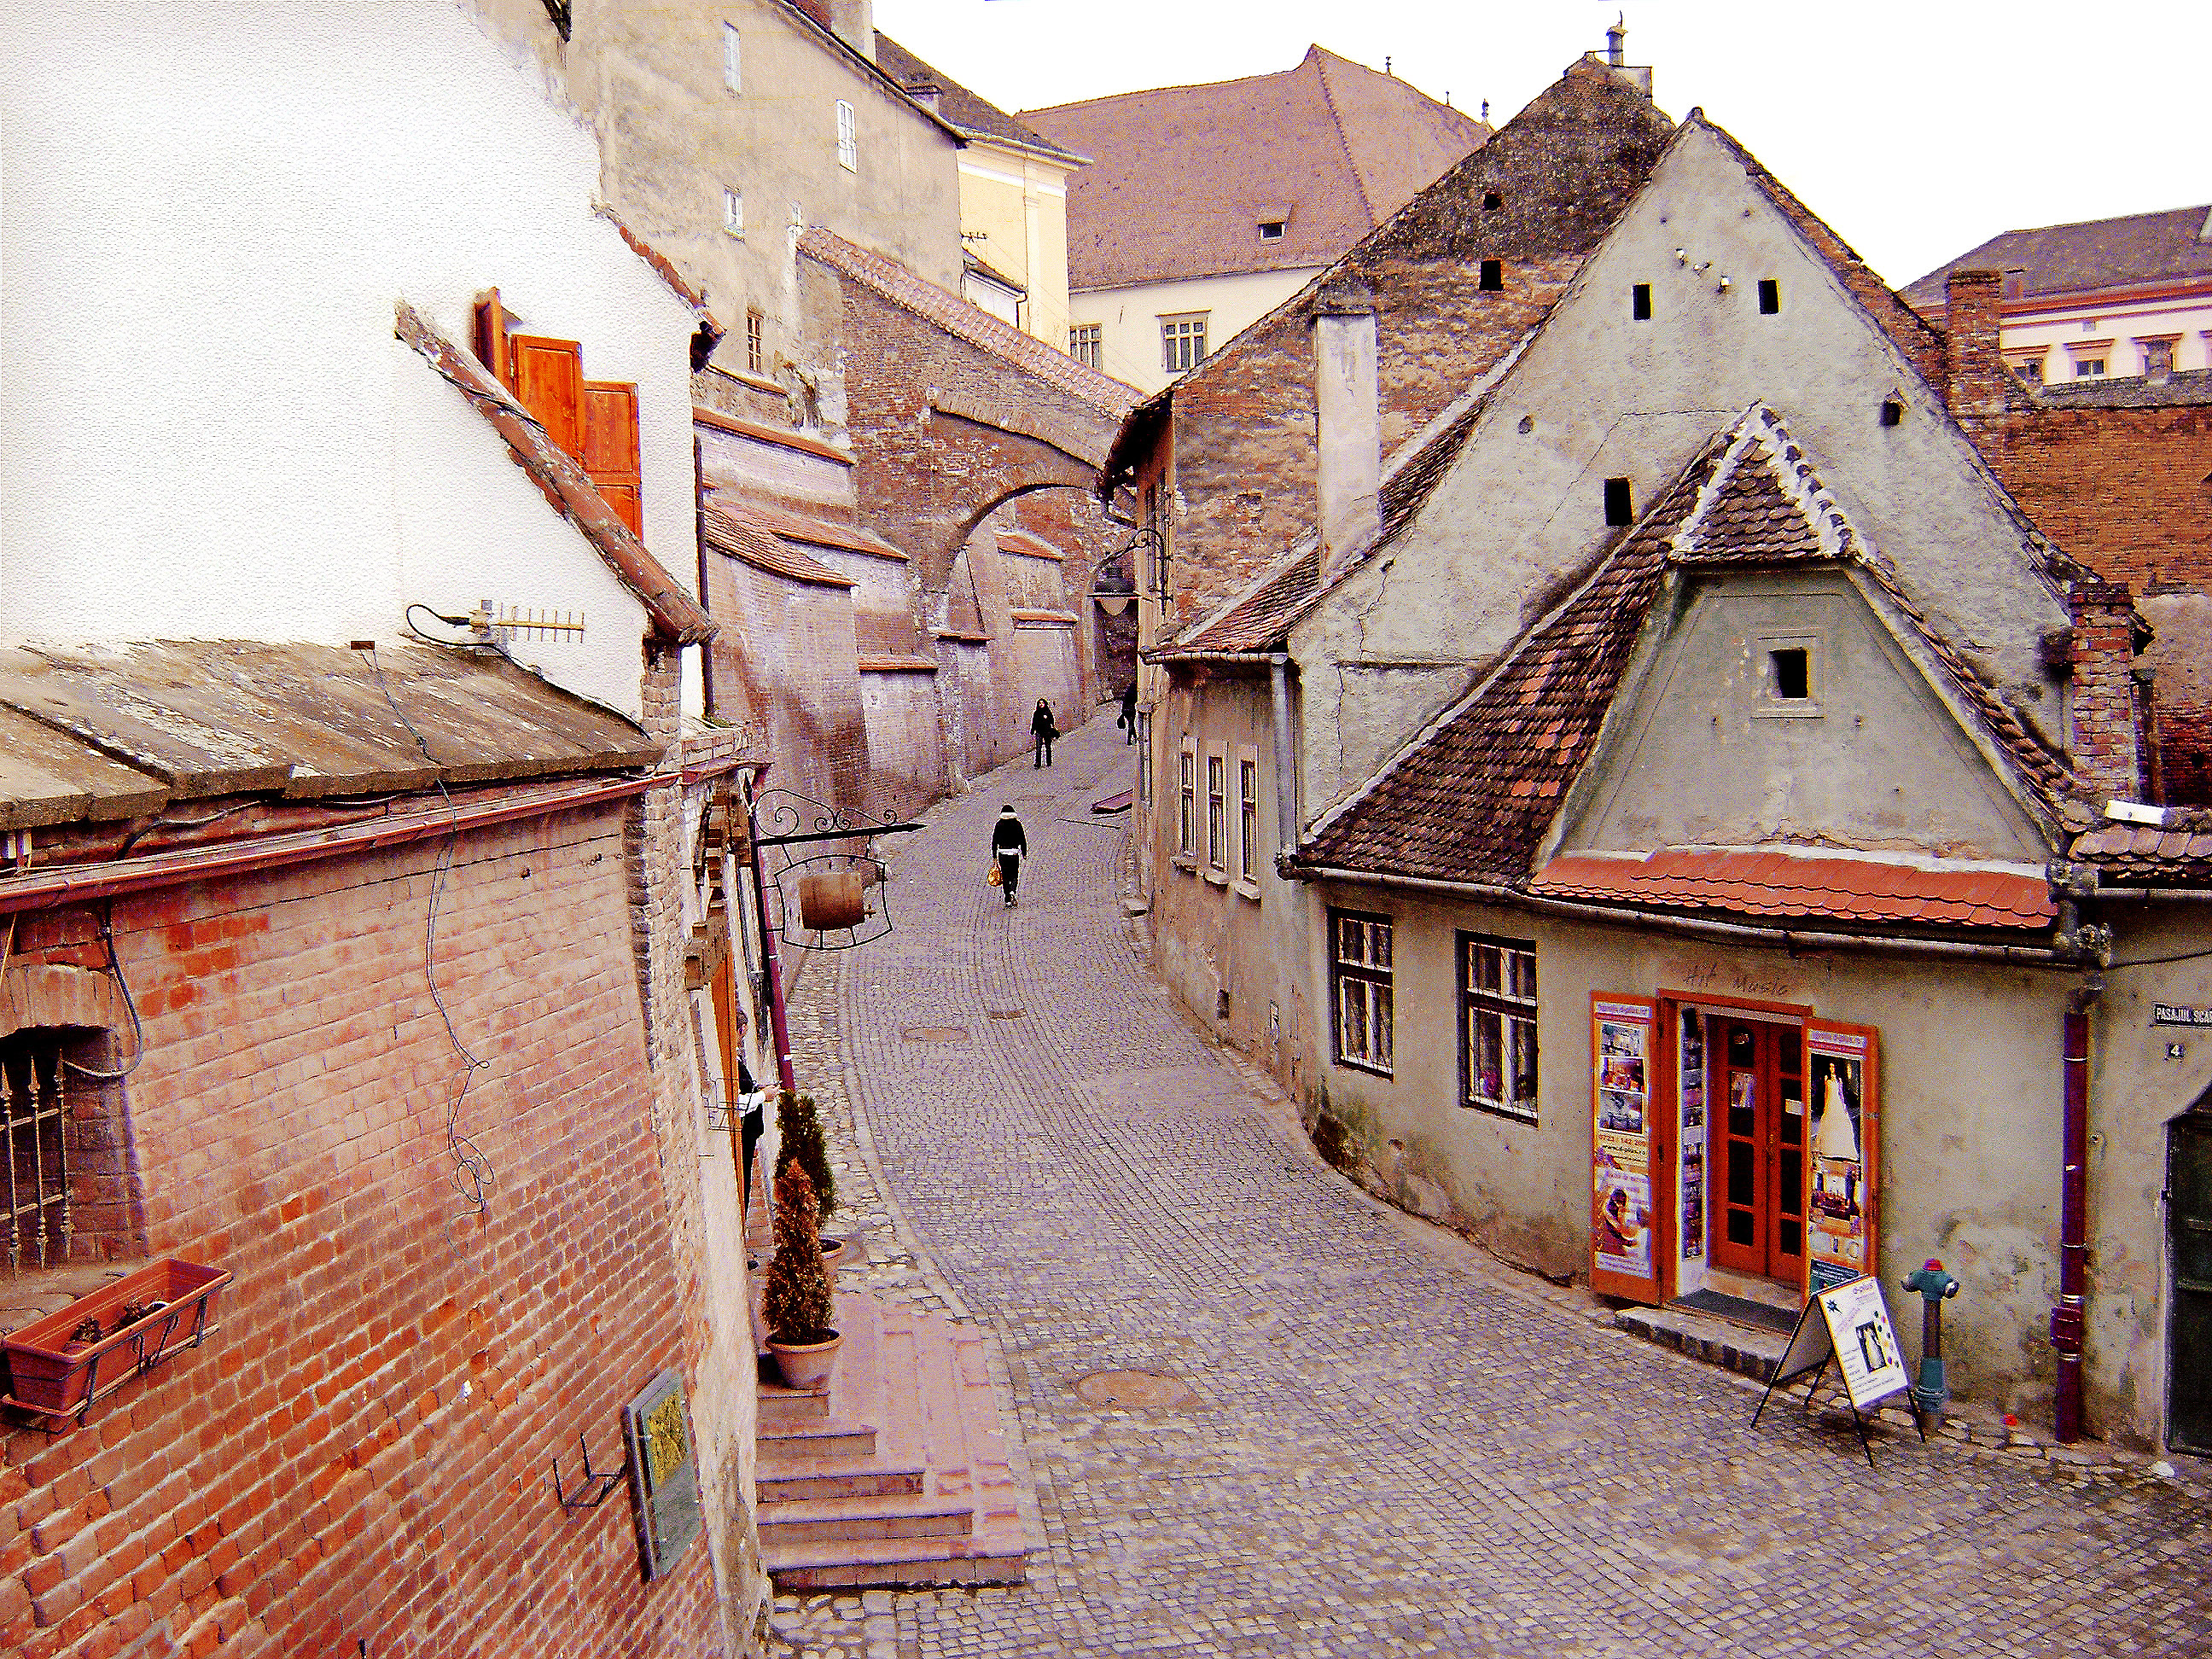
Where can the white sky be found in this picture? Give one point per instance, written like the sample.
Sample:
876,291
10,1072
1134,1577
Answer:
1917,129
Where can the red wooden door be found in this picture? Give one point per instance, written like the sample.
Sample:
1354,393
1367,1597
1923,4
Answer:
1756,1091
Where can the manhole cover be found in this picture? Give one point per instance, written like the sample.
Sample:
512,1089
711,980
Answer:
935,1034
1146,1390
1006,1013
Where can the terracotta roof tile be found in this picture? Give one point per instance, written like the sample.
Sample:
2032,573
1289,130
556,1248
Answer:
970,111
2139,855
949,311
674,612
1810,885
2094,254
818,533
729,528
1181,177
1473,795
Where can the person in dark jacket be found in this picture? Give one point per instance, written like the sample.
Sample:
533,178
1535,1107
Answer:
1044,729
1128,721
1010,845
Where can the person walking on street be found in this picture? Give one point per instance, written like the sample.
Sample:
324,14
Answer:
1129,711
1044,730
1010,845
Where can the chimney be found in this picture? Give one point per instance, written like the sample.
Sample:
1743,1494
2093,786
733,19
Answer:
853,22
1616,42
1348,481
1974,371
2106,710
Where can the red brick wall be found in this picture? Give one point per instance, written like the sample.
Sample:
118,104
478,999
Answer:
2103,699
2124,490
361,1451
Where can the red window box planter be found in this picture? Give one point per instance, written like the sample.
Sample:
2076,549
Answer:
53,1375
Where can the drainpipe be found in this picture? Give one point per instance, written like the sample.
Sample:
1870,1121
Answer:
779,1027
1286,769
2067,1324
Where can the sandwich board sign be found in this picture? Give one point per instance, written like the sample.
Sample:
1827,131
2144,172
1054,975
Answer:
1852,1327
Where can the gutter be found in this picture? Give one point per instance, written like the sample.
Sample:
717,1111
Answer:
73,884
1792,939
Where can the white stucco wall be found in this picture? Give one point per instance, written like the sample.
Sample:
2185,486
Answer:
1128,319
1605,396
209,430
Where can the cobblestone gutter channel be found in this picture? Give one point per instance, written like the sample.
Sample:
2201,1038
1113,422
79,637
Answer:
1347,1434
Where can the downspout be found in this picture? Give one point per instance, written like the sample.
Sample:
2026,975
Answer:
1287,771
2068,1321
779,1026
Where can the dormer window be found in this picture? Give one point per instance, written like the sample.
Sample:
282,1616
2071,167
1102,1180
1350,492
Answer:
1270,230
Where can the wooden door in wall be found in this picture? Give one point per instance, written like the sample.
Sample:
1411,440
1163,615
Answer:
1757,1089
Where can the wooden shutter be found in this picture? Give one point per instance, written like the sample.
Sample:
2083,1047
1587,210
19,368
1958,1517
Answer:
492,340
610,448
548,381
1843,1064
1629,1171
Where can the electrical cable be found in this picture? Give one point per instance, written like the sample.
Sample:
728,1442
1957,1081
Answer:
408,615
472,1172
2153,962
130,1002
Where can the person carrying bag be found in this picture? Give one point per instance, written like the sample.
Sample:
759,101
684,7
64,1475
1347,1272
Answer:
1010,845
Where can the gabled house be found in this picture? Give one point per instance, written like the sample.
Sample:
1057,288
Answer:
1659,816
363,933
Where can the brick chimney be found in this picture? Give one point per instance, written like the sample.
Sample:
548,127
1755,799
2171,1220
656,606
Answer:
1348,480
1974,369
2106,703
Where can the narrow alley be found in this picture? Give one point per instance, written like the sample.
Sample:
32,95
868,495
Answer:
1264,1415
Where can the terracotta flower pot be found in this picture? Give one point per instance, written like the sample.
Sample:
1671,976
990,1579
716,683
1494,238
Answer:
806,1365
50,1371
842,1252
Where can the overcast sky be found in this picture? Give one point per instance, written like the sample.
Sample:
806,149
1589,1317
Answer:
1917,129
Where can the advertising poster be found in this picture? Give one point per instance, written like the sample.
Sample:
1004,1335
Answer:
1865,1341
1623,1215
1690,1075
1839,1208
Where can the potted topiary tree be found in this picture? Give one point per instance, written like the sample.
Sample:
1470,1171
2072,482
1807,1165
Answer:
796,1299
805,1143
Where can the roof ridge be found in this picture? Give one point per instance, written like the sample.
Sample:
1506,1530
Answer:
1343,140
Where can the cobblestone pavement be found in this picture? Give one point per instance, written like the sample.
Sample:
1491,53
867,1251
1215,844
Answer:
1384,1447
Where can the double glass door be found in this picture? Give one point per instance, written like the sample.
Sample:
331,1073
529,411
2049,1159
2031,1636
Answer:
1756,1090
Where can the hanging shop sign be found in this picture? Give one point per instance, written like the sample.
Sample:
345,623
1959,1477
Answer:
1624,1214
1843,1079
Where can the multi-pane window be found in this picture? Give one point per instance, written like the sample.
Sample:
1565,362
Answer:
1183,342
1498,1024
733,212
731,60
1247,816
1359,983
755,346
1188,840
848,141
2088,368
1084,343
1217,811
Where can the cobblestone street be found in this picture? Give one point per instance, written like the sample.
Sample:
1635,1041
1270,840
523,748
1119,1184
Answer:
1368,1439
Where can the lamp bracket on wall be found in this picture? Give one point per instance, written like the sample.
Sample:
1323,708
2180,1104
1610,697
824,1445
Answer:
832,899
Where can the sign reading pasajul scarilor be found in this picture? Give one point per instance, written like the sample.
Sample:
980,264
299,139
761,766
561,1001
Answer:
2167,1013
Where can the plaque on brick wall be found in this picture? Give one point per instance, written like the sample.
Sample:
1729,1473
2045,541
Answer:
663,1472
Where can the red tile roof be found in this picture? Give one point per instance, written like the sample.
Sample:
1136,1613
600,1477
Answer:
1770,882
1028,546
2140,248
975,115
728,529
674,612
782,437
2138,855
955,316
662,267
1183,177
818,532
1474,794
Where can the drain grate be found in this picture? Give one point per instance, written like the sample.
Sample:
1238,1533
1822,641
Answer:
1006,1013
1143,1390
935,1034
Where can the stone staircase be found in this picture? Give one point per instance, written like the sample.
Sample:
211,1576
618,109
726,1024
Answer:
897,1474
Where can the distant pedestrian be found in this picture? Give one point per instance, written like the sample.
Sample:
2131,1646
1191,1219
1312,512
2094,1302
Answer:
1010,845
1128,721
1044,729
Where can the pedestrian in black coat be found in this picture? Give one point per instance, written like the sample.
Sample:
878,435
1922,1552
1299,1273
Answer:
1010,845
1129,711
1044,729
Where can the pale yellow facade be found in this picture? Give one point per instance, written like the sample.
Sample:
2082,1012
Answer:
1013,217
1131,320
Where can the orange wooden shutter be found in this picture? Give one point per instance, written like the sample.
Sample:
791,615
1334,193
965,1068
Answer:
610,448
491,339
549,380
1628,1172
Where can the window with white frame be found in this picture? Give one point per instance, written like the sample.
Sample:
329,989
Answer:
1359,989
1217,812
848,141
1247,819
1084,343
1186,841
1497,1026
733,213
1183,342
732,59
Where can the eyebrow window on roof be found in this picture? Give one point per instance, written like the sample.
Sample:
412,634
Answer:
1270,230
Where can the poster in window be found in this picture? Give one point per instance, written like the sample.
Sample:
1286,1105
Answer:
1840,1208
1690,1079
1623,1214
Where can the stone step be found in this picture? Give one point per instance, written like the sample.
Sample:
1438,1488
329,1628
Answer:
896,1562
832,1438
1755,1353
902,1516
840,1477
780,1406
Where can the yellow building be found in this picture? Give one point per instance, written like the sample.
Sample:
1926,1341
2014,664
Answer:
1013,202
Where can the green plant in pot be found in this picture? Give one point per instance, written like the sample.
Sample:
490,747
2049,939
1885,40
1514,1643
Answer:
797,1299
804,1144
